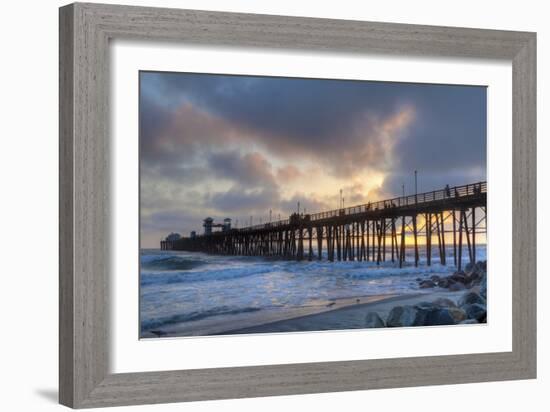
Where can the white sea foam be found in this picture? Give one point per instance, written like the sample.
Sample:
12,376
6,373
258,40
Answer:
187,286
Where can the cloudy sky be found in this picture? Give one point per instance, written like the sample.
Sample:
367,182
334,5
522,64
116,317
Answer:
240,146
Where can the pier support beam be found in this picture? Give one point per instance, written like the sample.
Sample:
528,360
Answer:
415,230
429,238
402,251
467,233
343,232
474,234
338,248
310,236
319,232
454,236
459,266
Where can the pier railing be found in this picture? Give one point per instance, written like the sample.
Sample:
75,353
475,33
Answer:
448,193
362,232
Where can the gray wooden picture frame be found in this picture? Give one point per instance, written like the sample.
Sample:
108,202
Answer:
85,32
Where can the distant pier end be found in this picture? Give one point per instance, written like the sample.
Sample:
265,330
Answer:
364,232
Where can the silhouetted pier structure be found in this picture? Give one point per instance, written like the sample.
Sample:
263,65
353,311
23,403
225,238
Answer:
370,232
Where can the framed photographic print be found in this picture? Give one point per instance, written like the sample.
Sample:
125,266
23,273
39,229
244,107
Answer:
263,151
257,205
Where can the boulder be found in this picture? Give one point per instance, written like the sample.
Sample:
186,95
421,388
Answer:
423,310
444,303
458,276
402,316
444,283
470,298
483,293
477,268
435,278
475,311
441,316
426,284
440,312
455,287
483,286
473,277
458,314
482,265
425,305
373,320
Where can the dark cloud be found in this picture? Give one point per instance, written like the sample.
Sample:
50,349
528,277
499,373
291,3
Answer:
157,225
238,140
312,109
427,181
331,119
449,133
307,203
249,169
153,119
290,116
239,199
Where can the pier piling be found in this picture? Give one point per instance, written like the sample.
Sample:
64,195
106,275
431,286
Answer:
360,233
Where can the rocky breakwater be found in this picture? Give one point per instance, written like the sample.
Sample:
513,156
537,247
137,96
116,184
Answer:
474,275
470,308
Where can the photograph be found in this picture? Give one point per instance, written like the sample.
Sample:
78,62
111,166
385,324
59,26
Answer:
268,206
286,205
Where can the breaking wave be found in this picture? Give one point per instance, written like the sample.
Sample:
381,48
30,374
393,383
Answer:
167,262
150,324
201,276
178,287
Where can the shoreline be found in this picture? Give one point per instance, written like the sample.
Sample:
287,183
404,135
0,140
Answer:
337,314
218,325
447,298
345,318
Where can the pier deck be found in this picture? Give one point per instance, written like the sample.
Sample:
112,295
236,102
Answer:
369,232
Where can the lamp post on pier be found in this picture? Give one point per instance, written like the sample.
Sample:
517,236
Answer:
415,186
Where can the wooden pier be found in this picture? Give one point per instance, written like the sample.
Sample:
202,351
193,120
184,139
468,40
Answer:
376,232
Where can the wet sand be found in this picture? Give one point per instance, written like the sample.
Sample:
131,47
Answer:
339,314
349,317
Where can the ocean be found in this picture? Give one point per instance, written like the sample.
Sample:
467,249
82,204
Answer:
189,290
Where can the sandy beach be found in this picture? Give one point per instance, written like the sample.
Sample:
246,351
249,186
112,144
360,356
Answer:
186,294
338,314
346,317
